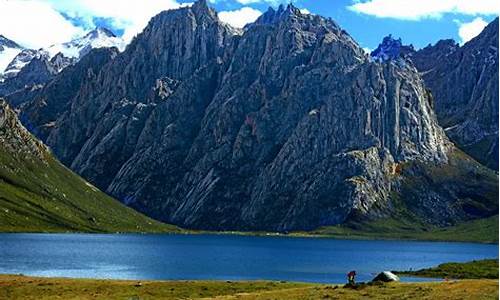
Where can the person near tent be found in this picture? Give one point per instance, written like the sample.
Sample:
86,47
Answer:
351,277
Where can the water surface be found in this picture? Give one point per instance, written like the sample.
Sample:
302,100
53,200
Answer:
222,257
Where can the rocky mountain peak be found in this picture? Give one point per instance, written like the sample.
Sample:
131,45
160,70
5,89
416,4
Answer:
5,42
201,8
288,126
272,16
100,32
389,49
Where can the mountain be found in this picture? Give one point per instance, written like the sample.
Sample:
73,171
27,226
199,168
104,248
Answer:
33,68
8,50
285,125
37,193
464,84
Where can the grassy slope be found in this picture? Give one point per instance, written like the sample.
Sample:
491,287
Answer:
483,230
38,196
21,287
477,269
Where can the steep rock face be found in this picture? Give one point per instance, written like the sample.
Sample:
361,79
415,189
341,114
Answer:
464,84
44,106
34,74
109,113
288,125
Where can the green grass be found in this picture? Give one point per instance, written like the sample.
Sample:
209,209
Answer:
482,230
477,269
39,194
23,287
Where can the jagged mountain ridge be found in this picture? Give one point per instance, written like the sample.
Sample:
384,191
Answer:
288,125
38,194
464,83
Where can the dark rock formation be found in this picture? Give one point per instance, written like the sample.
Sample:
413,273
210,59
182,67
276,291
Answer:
44,106
37,72
287,125
464,85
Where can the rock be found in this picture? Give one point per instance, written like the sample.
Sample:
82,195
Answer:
386,276
464,85
285,126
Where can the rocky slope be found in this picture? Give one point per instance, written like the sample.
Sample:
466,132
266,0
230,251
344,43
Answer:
38,194
464,83
286,125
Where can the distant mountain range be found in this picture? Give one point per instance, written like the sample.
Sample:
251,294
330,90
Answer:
21,68
285,125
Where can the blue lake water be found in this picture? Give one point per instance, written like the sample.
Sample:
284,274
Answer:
222,257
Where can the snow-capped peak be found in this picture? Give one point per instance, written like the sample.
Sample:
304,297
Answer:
62,54
97,38
8,51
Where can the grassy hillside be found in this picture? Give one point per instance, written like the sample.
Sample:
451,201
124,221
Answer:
477,269
35,197
21,287
39,194
482,230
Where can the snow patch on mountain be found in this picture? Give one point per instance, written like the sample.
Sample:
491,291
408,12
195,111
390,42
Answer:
8,50
98,38
6,56
66,54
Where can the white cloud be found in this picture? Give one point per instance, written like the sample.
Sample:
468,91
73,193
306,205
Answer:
421,9
34,24
131,15
239,18
468,31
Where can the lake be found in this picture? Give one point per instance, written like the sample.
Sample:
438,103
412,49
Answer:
222,257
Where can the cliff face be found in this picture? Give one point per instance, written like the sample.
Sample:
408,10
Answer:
464,83
286,125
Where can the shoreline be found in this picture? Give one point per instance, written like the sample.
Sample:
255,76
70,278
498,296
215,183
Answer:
481,231
359,237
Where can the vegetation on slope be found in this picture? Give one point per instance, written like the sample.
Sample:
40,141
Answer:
39,194
482,230
477,269
50,198
21,287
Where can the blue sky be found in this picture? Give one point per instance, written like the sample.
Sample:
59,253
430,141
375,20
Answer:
417,22
369,28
